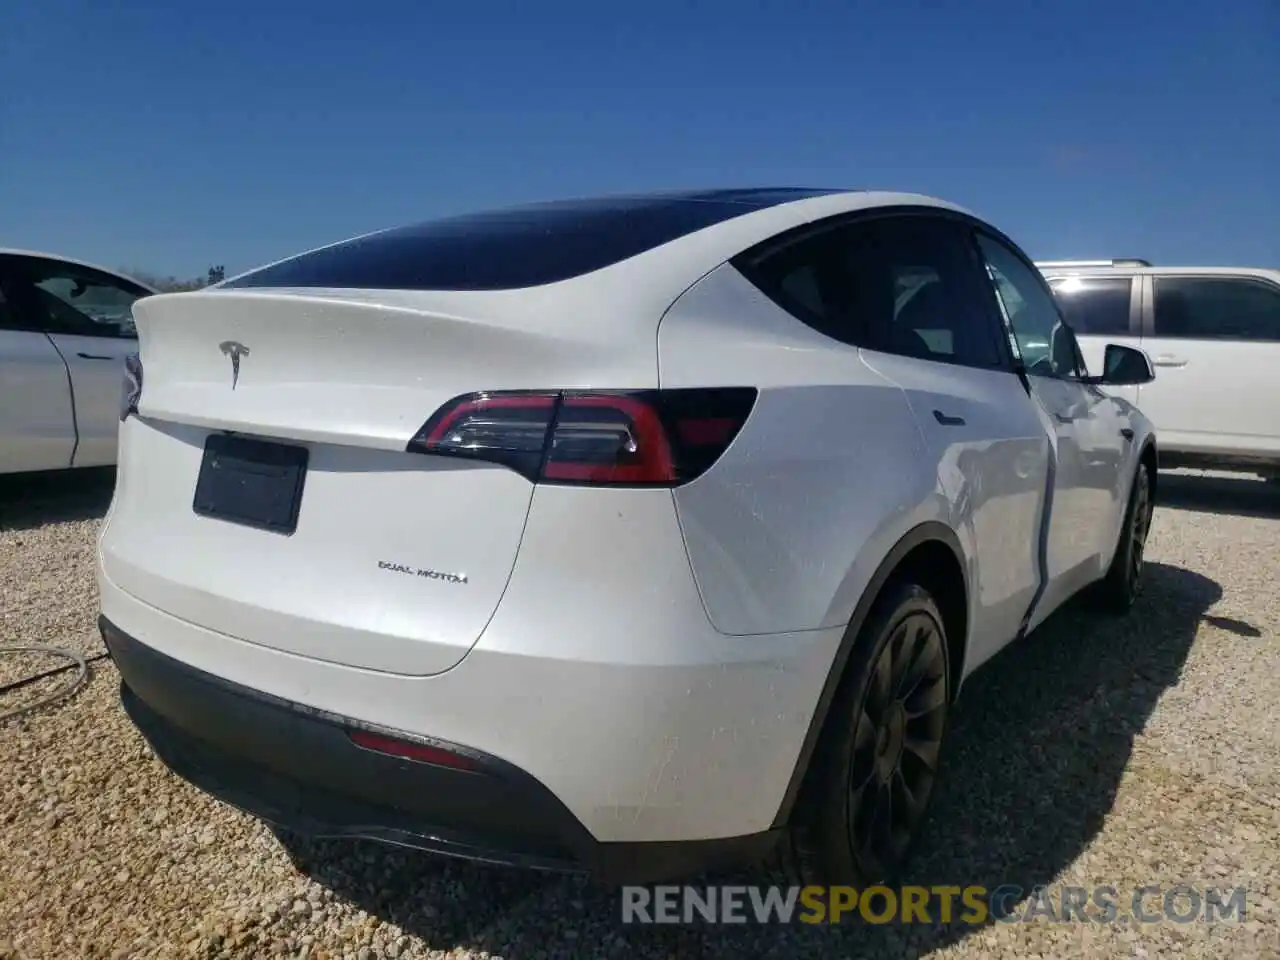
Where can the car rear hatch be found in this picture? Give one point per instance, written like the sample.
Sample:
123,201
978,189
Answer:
265,491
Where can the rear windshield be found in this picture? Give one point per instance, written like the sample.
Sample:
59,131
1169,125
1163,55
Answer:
519,247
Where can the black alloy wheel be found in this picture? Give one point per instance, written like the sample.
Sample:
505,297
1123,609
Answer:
1122,586
897,743
866,796
1139,527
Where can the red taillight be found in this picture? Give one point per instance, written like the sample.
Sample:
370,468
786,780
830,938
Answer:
647,438
410,750
608,439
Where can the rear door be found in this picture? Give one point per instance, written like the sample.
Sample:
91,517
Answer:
919,284
87,314
37,423
1215,343
1084,422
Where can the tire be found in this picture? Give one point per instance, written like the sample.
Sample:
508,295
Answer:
1122,586
886,725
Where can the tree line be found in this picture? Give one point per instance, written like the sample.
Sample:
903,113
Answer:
173,284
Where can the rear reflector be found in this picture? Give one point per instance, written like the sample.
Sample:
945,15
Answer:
410,750
649,438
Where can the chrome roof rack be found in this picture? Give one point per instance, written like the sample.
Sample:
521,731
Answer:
1118,262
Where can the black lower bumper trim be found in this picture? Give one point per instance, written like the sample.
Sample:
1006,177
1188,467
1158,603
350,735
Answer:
296,768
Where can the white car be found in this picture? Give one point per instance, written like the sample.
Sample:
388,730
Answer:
1214,336
65,331
629,535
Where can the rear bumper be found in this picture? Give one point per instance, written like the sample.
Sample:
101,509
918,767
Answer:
295,767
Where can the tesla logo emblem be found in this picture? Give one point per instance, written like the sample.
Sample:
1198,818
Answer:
235,351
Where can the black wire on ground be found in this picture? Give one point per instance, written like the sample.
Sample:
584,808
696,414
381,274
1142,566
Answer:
79,663
50,485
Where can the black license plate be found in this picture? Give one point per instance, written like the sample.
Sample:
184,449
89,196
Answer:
251,482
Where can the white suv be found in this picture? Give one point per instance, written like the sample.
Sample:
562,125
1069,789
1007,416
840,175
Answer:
620,535
1214,336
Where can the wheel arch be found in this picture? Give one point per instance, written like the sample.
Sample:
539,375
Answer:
932,553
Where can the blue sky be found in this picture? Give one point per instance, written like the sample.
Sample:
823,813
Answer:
167,137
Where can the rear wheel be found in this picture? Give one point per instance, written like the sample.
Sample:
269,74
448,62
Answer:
1123,583
862,811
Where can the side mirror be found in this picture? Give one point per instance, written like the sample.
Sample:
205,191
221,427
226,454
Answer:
1124,367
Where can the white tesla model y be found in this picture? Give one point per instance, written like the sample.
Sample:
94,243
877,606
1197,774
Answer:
626,535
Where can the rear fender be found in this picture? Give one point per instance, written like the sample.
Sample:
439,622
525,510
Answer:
927,532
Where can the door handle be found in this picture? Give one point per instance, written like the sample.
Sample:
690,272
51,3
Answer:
1126,433
1063,418
92,356
1165,360
947,421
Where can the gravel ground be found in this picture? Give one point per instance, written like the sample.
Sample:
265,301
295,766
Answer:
1145,751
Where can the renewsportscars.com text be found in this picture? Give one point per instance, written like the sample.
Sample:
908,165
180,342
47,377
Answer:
973,905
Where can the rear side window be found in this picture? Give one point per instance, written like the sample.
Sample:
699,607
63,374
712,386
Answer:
1095,305
67,298
7,320
1216,308
908,285
520,247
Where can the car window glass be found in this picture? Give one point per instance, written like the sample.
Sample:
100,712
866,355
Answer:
915,287
519,247
905,285
8,321
804,278
1216,309
1036,328
75,300
802,285
1094,305
934,309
